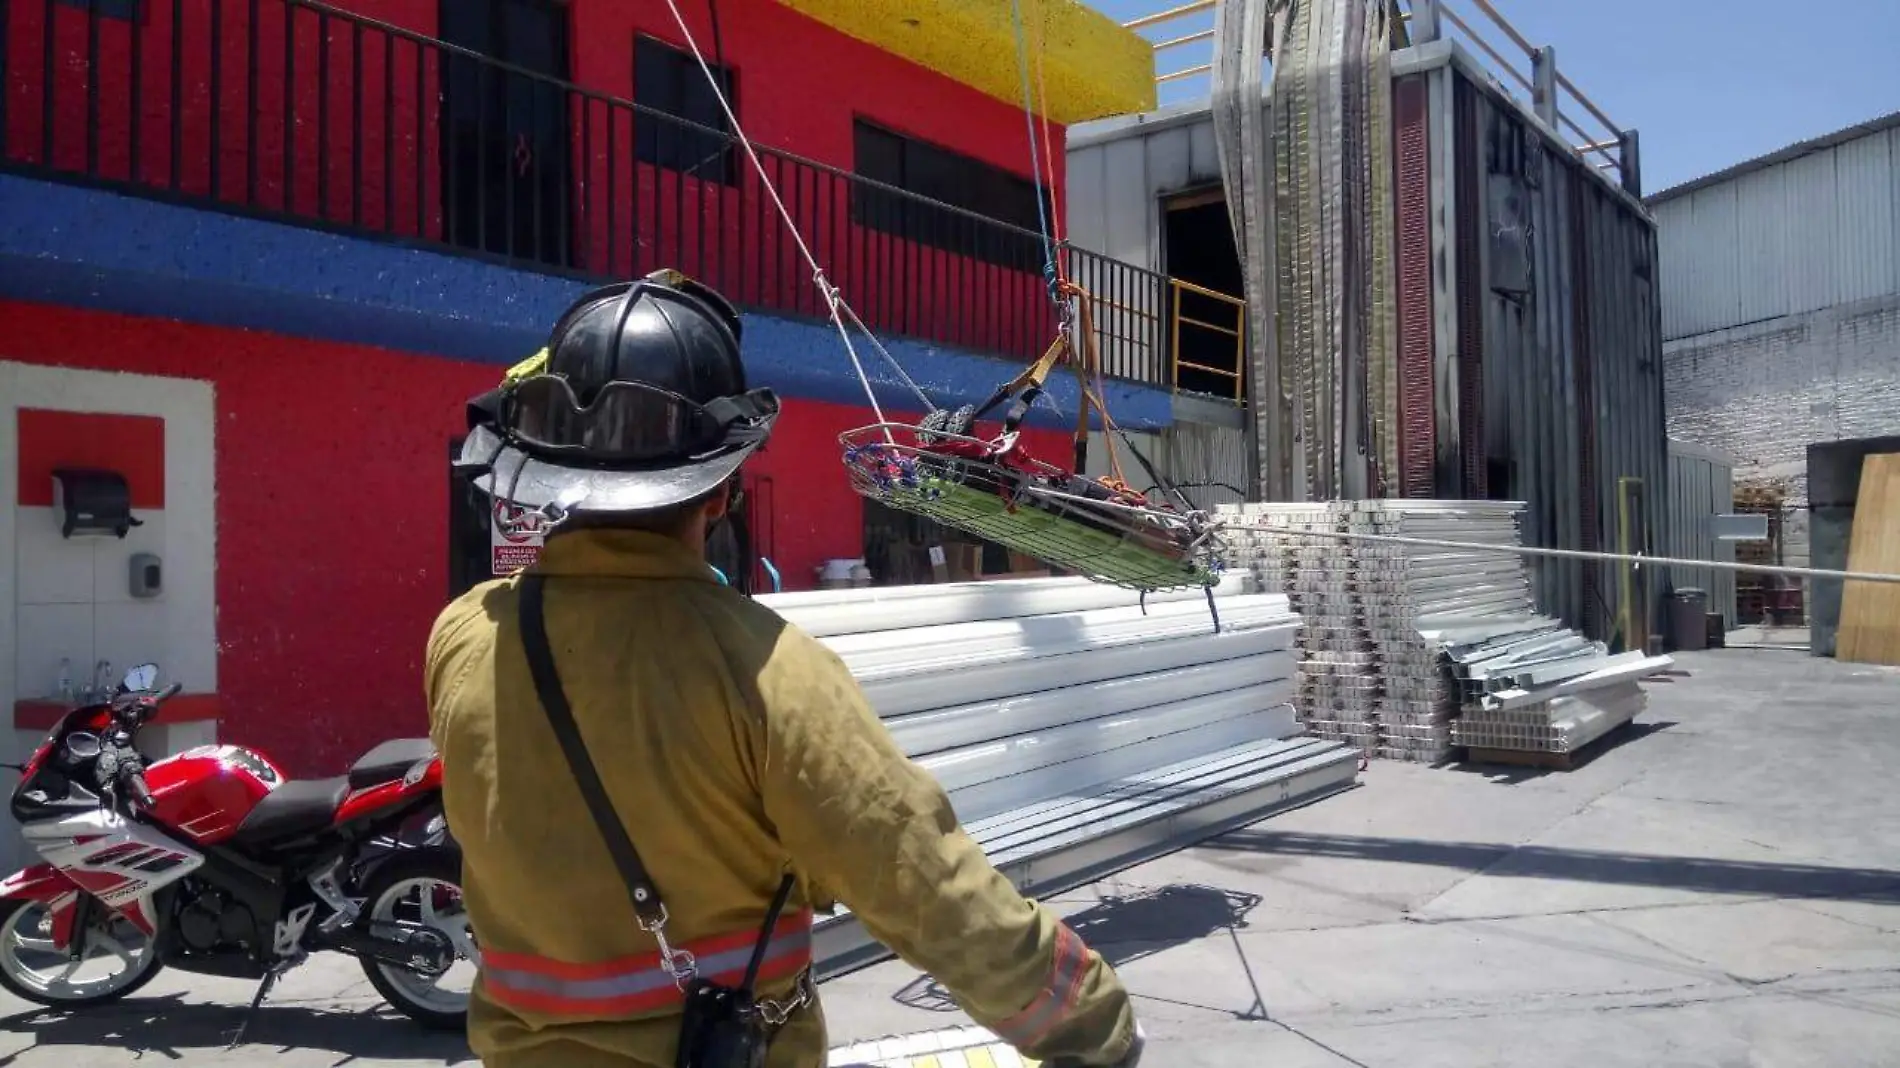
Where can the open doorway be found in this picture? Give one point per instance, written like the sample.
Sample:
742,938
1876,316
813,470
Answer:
1197,248
505,165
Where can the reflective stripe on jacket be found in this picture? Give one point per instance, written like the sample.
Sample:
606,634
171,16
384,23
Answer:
641,983
735,748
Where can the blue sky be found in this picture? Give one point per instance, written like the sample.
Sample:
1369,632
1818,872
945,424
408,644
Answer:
1708,83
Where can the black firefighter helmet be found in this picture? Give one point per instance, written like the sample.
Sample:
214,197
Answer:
638,403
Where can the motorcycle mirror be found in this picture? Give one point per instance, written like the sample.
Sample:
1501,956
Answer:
140,678
82,746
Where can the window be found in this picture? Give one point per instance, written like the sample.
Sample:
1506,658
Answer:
950,178
669,80
124,10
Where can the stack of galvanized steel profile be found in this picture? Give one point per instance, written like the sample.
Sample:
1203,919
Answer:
1287,547
1411,651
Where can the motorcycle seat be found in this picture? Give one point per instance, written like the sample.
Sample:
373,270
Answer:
296,808
389,761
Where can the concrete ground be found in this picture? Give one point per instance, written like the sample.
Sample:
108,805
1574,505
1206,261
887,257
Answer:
1720,888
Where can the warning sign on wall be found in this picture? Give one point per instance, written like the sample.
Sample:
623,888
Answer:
515,537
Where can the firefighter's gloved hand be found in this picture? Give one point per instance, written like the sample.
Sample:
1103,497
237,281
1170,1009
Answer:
1129,1060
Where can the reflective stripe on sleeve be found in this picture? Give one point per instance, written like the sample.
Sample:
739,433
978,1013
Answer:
1058,996
639,983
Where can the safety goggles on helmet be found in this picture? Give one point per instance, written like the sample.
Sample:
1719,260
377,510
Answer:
624,424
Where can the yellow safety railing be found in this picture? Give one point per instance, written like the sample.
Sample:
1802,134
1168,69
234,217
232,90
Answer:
1236,377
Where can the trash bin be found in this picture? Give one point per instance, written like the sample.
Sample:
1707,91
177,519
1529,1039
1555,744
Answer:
1689,619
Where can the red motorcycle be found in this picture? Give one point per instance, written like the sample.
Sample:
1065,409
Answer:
212,862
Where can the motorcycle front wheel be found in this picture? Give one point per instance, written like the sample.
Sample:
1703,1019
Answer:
422,889
115,958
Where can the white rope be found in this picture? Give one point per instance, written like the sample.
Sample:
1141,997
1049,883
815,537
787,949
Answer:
834,301
1580,554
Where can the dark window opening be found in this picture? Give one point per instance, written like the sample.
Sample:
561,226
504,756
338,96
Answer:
669,80
123,10
951,179
1198,248
506,171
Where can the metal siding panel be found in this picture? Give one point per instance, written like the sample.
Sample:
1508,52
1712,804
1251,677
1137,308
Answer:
1203,157
1811,222
1716,259
1762,254
1676,222
1868,263
1087,198
1170,166
1809,233
1125,235
1576,367
1699,277
1893,201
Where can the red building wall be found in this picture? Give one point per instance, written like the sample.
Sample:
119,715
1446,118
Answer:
332,512
367,140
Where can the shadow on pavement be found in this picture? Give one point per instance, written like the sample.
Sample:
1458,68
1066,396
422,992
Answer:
1584,865
175,1029
1127,928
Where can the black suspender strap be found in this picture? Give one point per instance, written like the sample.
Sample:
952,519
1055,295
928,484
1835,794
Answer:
645,896
547,686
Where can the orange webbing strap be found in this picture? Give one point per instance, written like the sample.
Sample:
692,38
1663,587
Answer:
1088,373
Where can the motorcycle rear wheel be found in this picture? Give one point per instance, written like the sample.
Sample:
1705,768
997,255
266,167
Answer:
25,927
421,887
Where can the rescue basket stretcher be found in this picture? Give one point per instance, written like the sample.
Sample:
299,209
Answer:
993,490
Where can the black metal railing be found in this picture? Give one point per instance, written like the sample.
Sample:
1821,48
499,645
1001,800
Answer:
299,111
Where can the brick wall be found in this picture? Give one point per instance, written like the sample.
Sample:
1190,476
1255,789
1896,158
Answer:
1768,390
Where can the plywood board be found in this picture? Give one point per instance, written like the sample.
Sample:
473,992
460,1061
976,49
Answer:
1870,611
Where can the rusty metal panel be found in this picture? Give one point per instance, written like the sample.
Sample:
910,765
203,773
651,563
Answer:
1418,434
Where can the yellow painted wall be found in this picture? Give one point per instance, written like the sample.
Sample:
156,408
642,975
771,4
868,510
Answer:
1091,66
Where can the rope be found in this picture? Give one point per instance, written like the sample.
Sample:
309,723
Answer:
1580,554
1035,156
834,301
1048,154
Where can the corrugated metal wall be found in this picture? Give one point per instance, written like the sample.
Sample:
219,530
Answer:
1562,270
1795,236
1536,286
1208,463
1701,485
1118,171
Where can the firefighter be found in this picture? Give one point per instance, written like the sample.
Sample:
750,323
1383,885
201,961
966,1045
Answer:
734,755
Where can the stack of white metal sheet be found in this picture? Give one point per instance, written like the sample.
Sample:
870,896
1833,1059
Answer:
1077,731
1340,681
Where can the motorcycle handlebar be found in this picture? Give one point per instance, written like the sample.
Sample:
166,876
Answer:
122,769
142,706
135,786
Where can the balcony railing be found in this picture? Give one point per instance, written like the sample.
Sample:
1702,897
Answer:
1183,35
298,111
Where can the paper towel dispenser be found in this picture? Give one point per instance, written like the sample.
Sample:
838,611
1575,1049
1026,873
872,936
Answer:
92,501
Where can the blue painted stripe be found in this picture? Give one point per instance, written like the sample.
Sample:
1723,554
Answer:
90,248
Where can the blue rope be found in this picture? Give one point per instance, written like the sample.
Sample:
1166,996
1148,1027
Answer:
1035,153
